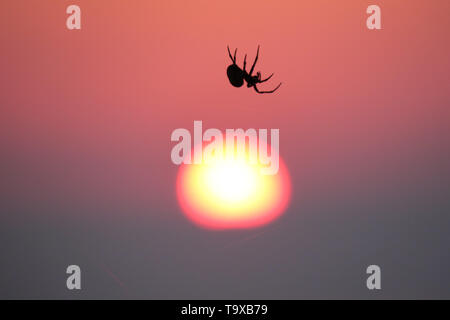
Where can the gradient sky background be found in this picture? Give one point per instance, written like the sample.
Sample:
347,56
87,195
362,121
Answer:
85,170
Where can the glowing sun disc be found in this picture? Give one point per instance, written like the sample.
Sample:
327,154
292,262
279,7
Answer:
229,194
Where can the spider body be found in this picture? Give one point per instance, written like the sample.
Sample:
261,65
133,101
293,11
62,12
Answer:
237,76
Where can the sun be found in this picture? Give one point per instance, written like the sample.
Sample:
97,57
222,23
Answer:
232,193
231,182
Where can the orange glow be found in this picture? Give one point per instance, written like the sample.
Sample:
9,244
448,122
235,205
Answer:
227,194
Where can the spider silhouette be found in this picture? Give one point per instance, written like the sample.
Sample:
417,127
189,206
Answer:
237,75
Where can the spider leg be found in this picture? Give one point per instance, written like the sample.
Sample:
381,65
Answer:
271,91
231,57
266,78
254,63
245,63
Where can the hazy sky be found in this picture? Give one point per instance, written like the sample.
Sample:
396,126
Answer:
85,170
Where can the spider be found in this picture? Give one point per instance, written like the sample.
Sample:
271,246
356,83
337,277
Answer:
237,75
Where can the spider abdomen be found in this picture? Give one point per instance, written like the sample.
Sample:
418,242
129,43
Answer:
235,75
